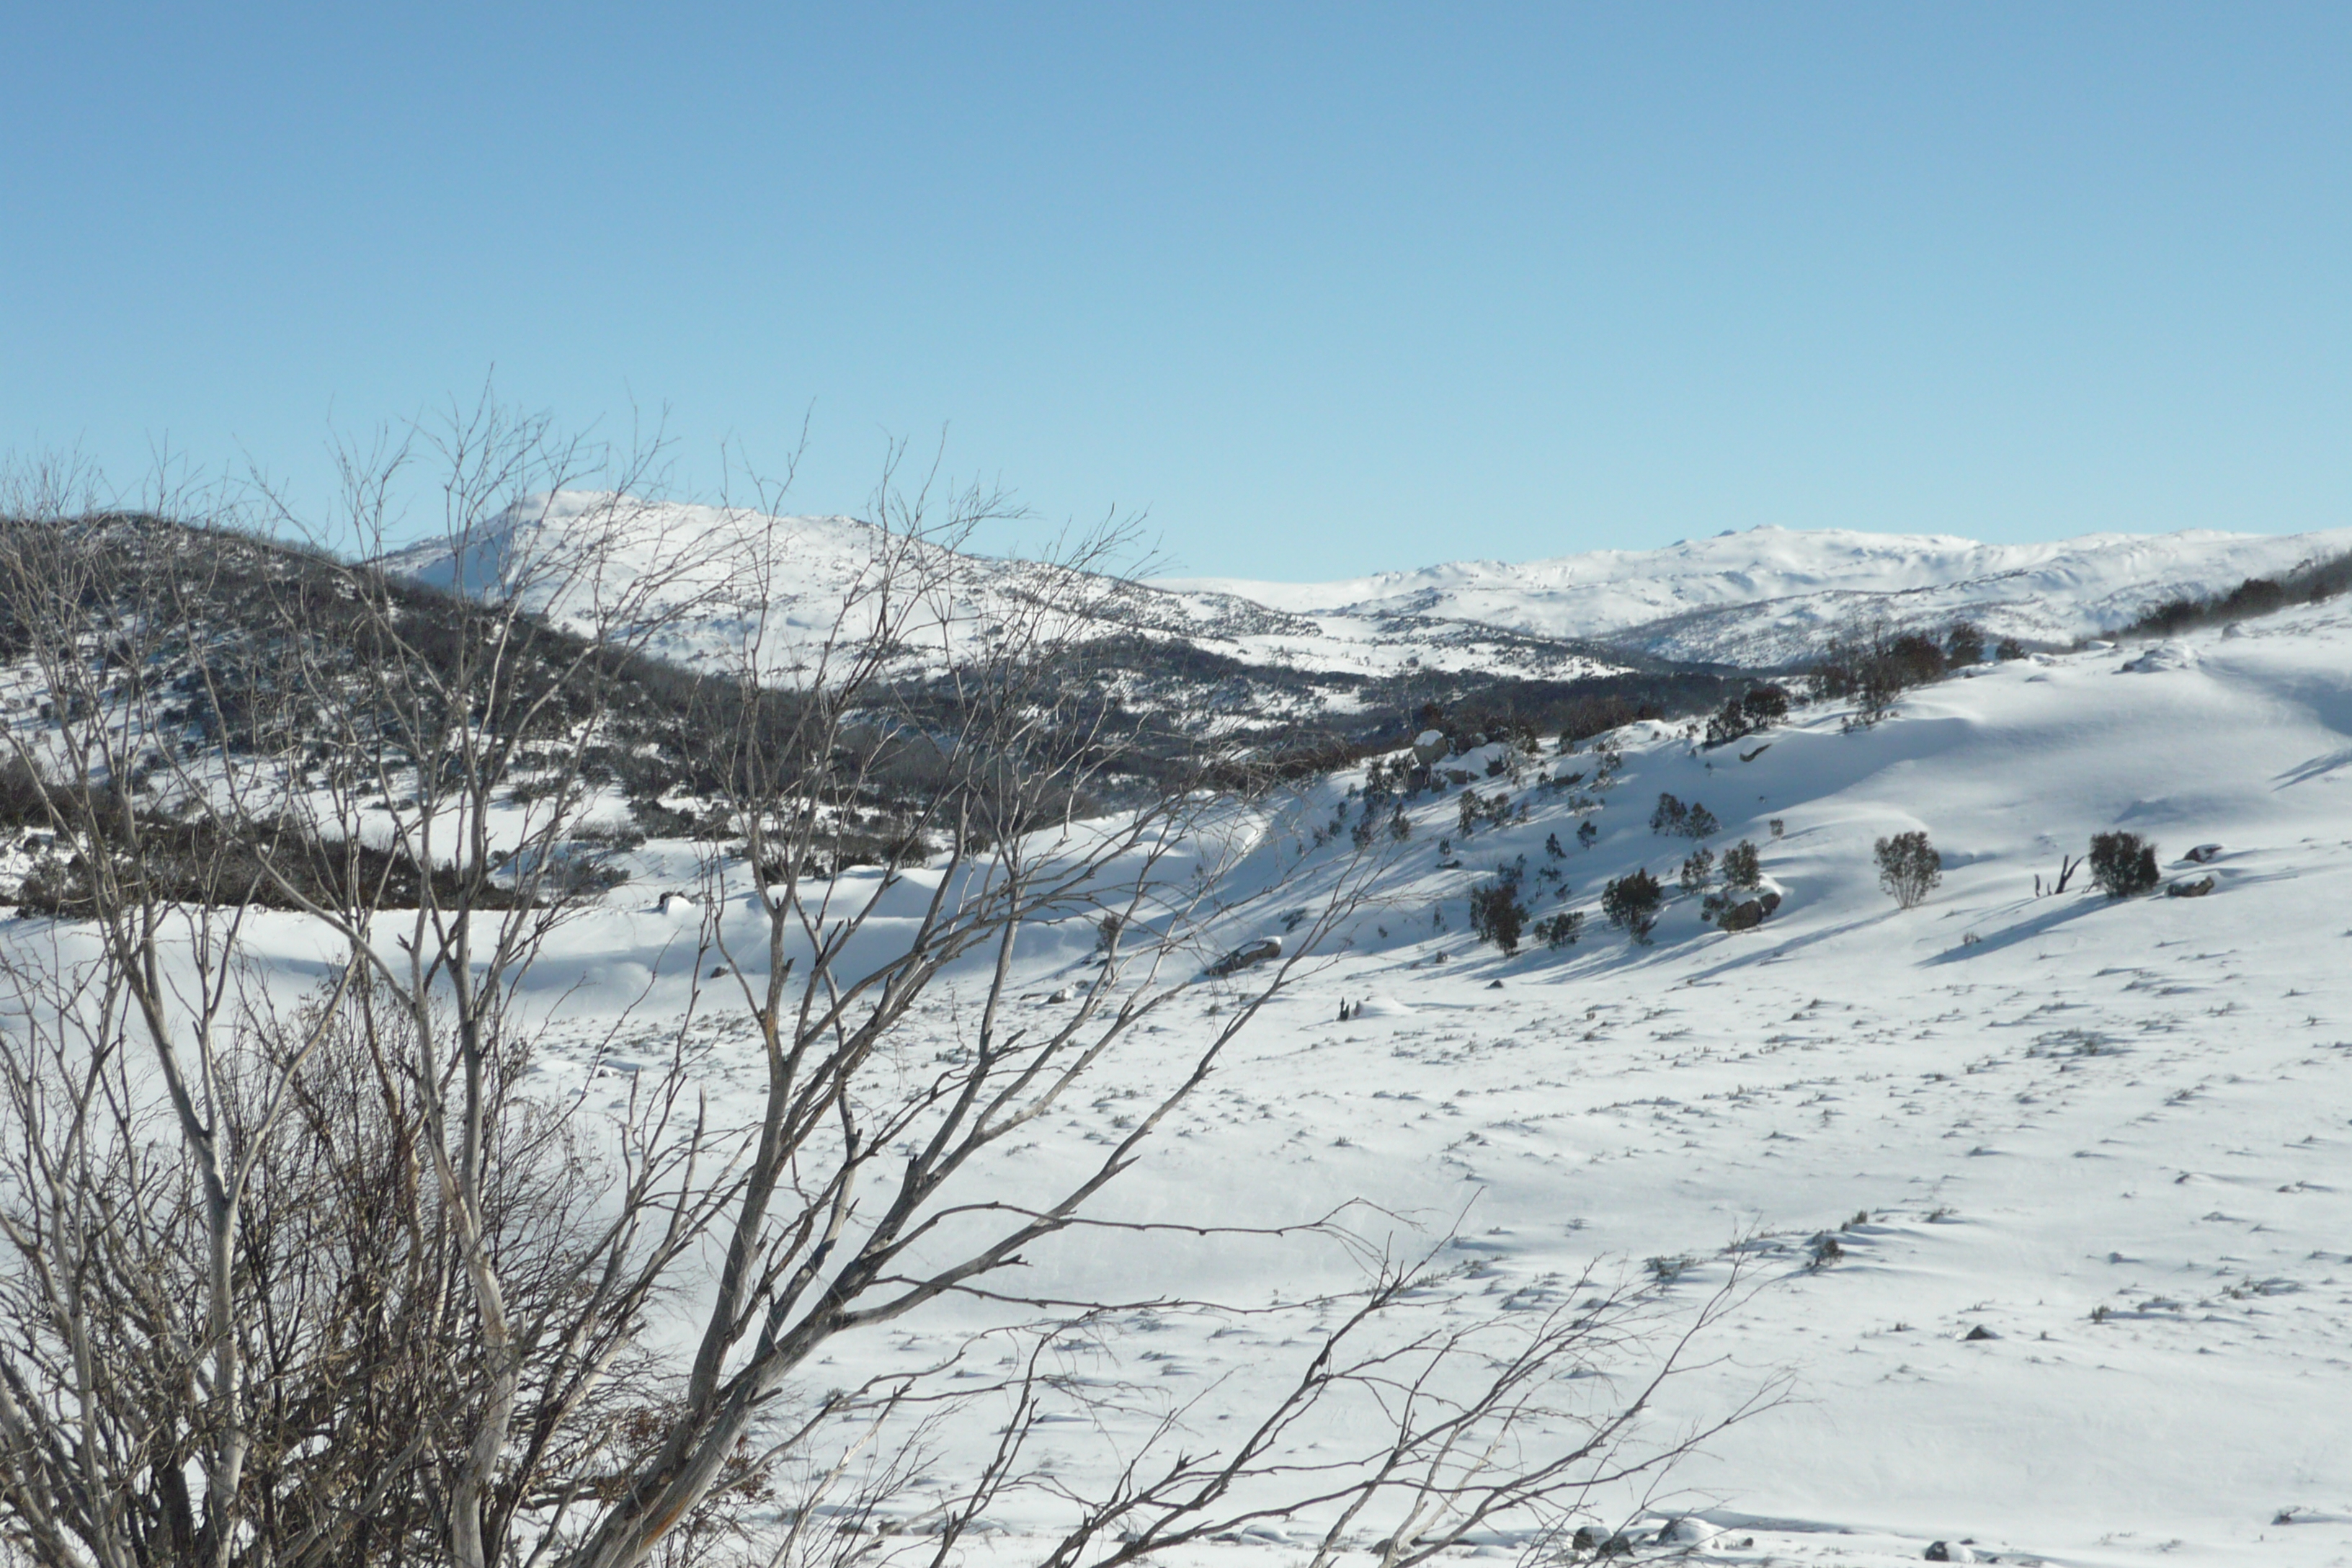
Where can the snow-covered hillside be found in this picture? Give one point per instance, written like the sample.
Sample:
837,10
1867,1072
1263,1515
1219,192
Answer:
1769,594
780,583
2046,1200
1760,598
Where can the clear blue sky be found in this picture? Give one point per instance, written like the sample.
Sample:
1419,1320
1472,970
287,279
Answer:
1327,289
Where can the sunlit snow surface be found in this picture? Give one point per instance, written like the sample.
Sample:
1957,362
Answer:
1756,598
777,584
2143,1107
1771,594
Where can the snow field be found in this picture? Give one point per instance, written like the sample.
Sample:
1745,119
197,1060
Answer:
2113,1136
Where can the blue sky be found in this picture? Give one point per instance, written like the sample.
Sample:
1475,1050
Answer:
1325,289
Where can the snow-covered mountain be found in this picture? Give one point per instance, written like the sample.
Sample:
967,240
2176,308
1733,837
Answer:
780,583
1767,595
1759,598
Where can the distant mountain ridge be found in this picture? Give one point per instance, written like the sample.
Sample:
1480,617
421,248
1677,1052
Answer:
1767,595
1663,627
782,579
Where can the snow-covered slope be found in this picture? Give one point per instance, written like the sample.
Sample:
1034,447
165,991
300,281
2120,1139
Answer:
2116,1137
780,583
1767,594
1760,598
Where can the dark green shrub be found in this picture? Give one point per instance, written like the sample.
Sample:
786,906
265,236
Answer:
1672,817
1743,868
1495,913
2123,864
1632,903
20,794
1909,867
1555,931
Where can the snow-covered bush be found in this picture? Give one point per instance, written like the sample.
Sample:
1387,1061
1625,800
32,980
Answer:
1909,867
2123,864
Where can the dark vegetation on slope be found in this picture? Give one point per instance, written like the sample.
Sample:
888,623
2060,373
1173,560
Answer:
244,610
2307,584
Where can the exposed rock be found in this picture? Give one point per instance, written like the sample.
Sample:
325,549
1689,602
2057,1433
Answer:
2204,854
1248,955
2196,890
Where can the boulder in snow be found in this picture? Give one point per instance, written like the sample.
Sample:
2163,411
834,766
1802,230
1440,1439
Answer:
1429,747
1247,956
2189,889
1745,916
2203,854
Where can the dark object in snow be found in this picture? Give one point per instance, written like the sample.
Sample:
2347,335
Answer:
720,972
1909,867
1632,903
2196,890
1248,955
1493,986
1981,1332
1744,916
1950,1552
2123,864
2203,854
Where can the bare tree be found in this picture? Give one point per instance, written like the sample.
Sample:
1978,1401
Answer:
324,1280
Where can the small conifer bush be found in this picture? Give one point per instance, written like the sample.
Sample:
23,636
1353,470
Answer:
2123,864
1632,903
